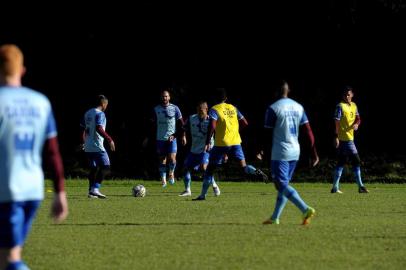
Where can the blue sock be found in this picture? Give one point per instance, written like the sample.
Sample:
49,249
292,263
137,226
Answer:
96,185
337,175
249,169
207,179
172,167
357,173
294,197
162,171
17,265
187,180
280,204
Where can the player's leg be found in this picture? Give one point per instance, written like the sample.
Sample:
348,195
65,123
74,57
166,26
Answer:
292,195
356,166
93,171
15,223
190,162
204,160
237,152
103,165
172,150
282,172
338,171
216,155
281,200
162,154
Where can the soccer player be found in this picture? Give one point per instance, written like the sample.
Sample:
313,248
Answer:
169,126
198,125
94,134
284,118
225,120
347,119
27,127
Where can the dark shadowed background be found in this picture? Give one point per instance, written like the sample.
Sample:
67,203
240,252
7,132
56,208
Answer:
129,53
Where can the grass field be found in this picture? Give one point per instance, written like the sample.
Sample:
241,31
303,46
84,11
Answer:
164,231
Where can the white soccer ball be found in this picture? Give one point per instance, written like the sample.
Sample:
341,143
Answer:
139,191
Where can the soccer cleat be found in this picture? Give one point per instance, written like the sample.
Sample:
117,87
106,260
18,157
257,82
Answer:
310,212
95,193
185,193
334,190
271,221
200,198
262,175
216,190
363,190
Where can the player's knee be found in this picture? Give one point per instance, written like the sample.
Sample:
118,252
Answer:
356,161
104,170
280,186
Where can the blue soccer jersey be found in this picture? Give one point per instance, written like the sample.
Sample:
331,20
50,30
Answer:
198,131
26,122
166,117
93,140
285,116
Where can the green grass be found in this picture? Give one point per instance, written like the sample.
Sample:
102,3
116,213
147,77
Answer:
164,231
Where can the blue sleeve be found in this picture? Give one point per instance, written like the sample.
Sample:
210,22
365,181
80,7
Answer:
270,118
178,114
213,114
338,112
304,119
239,114
100,118
51,126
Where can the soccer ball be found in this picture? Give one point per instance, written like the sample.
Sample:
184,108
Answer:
139,191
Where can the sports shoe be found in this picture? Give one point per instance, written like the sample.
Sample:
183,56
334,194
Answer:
334,190
271,221
216,190
171,179
310,212
163,181
363,190
262,175
200,198
185,193
95,193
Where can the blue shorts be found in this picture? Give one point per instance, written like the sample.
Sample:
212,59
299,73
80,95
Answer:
164,148
218,152
15,222
98,159
282,172
195,160
347,148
